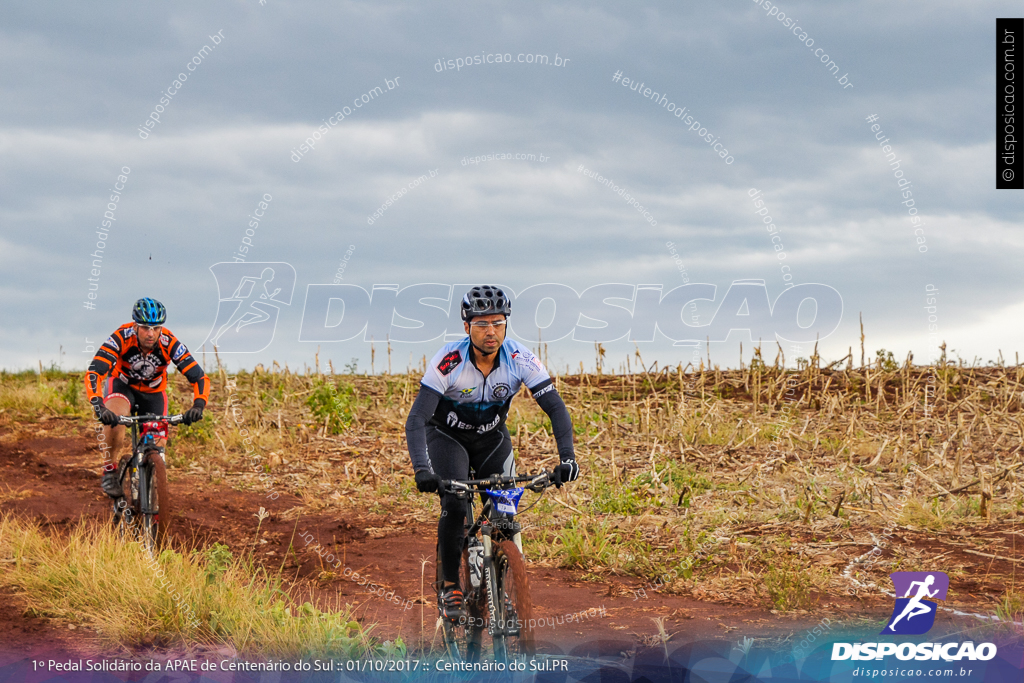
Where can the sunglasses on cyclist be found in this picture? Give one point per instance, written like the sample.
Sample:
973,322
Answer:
483,324
150,328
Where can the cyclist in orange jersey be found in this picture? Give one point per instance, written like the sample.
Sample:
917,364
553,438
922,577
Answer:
134,362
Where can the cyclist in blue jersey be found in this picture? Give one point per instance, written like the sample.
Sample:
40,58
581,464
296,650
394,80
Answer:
457,421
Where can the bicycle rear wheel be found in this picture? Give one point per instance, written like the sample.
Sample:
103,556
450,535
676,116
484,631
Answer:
514,607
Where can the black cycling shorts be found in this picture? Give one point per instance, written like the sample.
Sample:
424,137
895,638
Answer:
142,402
451,458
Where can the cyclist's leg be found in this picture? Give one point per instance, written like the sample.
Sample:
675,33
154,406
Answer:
449,460
152,403
119,398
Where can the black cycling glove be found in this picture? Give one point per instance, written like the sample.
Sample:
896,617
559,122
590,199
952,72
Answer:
195,413
103,413
567,471
427,481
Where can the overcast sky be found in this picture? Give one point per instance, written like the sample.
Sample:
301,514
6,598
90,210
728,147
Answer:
80,80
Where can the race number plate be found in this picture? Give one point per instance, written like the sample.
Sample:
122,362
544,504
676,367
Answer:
506,501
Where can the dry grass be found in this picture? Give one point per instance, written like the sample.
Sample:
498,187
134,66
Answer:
694,478
91,578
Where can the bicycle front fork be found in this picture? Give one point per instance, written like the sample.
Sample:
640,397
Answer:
497,626
491,580
144,477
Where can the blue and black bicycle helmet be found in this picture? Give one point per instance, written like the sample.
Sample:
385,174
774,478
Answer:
485,300
149,312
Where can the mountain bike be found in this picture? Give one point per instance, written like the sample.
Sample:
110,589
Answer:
492,572
143,478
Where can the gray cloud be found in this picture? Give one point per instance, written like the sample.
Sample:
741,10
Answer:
85,79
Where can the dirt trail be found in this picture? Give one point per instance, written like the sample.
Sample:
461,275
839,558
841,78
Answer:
51,476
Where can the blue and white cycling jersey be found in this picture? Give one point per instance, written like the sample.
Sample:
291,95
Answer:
472,404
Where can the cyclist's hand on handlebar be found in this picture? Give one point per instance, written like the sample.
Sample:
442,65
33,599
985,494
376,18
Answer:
567,471
427,482
195,413
103,413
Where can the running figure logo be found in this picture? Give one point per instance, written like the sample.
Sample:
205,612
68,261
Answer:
250,296
913,614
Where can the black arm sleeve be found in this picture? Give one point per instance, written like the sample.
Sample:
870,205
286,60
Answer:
561,424
416,427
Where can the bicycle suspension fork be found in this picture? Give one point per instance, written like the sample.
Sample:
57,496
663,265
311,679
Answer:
144,483
490,577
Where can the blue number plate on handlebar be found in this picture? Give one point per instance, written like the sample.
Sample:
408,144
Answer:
506,501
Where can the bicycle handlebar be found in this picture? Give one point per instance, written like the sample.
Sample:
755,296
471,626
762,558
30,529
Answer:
170,419
536,482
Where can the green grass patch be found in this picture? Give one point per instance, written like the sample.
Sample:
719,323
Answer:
586,545
336,401
787,583
28,396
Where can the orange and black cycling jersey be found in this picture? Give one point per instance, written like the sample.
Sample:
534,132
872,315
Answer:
121,356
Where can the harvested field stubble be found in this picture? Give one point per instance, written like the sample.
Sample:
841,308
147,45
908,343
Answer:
752,486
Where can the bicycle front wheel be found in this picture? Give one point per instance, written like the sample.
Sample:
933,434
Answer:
126,508
156,508
514,610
